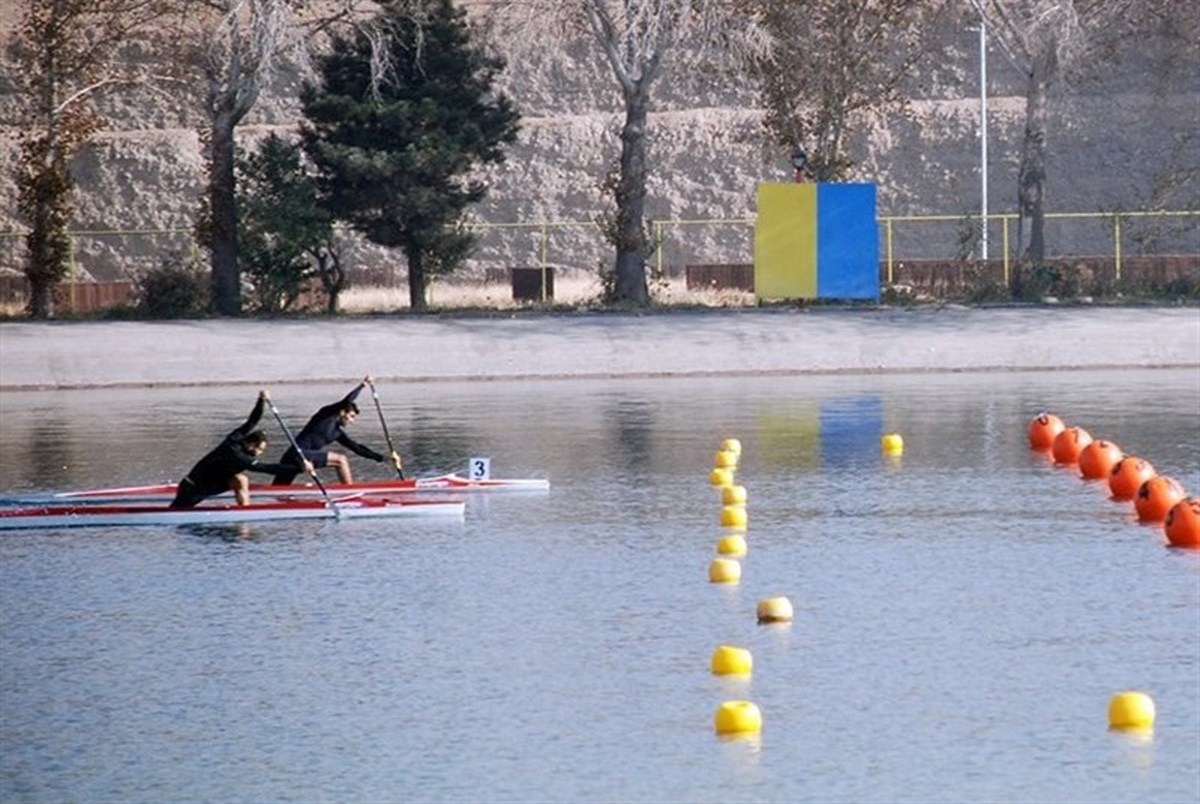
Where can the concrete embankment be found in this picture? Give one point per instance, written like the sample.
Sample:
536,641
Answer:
593,345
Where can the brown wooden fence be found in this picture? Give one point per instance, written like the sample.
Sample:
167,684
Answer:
70,297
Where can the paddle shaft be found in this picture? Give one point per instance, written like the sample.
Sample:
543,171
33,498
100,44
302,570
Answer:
383,424
300,455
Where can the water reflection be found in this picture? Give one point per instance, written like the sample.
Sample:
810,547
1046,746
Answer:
49,454
231,532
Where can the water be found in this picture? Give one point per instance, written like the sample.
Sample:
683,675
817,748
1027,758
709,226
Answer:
964,613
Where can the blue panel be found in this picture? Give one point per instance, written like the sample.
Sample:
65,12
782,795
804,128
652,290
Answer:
847,242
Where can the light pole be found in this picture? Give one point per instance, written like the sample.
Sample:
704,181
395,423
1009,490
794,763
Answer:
799,158
983,142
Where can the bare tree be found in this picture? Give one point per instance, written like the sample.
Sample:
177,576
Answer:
641,41
241,47
1046,40
68,56
836,62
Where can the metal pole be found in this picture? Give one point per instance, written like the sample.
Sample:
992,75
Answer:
542,259
1117,246
888,241
983,141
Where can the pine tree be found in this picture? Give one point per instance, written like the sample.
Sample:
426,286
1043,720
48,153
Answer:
396,126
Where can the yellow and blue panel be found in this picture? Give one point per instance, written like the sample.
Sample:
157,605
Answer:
816,241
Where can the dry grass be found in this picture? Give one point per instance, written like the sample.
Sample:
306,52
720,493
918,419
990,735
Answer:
569,292
581,291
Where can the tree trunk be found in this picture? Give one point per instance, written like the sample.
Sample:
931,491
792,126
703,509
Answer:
226,276
416,279
1032,172
45,269
630,269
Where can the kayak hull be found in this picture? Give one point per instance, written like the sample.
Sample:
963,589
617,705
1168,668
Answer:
73,516
165,492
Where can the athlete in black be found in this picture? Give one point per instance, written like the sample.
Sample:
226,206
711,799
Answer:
324,428
223,468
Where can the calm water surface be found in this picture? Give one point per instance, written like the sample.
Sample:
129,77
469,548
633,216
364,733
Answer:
964,613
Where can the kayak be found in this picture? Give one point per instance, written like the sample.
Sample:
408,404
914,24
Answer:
165,492
69,516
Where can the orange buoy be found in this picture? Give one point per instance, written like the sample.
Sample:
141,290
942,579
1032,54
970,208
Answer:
1096,460
1043,429
1182,523
1069,443
1156,496
1127,475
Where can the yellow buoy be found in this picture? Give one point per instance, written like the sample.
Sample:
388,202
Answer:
720,477
892,444
725,570
737,717
732,445
728,660
1131,710
733,495
732,545
733,516
725,459
775,610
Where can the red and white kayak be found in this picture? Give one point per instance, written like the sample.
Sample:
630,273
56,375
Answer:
165,492
70,516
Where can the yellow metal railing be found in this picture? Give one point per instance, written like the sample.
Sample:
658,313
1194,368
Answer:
1114,219
663,231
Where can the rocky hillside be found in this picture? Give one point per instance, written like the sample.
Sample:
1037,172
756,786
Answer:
1121,143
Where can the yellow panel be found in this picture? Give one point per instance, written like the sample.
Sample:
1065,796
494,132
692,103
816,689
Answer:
785,241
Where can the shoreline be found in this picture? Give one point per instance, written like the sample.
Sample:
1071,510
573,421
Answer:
38,356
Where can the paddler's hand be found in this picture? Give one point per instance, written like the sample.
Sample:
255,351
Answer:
309,468
264,396
368,380
396,462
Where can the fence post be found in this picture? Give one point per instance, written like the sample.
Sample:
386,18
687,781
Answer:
74,273
1117,244
888,239
658,230
542,258
1004,229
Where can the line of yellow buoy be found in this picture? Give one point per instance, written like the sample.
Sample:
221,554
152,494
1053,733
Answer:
736,717
1156,498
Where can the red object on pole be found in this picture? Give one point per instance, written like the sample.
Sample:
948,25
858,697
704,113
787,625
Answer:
800,176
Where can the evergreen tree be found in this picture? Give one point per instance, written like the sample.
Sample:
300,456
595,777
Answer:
282,226
397,124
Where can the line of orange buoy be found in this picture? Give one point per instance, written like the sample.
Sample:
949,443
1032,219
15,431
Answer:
1155,498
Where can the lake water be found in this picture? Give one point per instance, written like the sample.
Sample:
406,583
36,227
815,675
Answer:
964,613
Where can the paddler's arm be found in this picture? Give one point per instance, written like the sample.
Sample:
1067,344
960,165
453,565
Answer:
255,414
353,395
361,450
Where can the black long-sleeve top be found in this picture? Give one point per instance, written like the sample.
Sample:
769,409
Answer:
214,471
323,429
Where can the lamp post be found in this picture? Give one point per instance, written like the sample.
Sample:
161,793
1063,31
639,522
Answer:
799,158
983,139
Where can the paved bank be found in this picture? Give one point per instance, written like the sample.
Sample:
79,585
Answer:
586,345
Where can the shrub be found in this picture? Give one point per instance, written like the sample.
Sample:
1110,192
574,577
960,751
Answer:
178,288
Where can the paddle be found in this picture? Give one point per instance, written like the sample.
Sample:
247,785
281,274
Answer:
337,512
383,423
